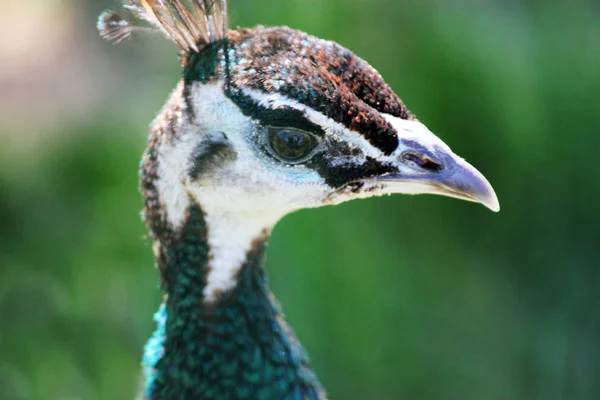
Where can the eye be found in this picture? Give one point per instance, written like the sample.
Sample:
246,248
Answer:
291,145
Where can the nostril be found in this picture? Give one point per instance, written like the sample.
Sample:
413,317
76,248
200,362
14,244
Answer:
431,165
423,162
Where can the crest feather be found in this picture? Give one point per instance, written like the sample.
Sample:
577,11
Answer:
191,24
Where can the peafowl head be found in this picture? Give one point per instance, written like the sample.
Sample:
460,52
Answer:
267,121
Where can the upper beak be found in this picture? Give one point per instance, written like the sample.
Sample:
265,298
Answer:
437,170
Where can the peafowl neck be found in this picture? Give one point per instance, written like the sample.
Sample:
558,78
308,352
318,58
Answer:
233,345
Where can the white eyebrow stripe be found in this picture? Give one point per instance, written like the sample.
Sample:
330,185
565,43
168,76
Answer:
331,127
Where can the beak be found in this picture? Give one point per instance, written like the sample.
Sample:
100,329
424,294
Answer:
427,165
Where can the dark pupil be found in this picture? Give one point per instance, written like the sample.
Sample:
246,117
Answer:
289,144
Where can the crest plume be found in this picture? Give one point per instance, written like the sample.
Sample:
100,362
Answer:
191,24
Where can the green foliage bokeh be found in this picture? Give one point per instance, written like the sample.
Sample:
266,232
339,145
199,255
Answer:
395,298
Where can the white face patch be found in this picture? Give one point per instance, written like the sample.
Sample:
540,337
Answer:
242,198
173,162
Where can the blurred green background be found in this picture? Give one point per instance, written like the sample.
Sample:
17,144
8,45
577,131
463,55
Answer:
395,298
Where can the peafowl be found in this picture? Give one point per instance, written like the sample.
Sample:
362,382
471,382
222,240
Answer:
264,121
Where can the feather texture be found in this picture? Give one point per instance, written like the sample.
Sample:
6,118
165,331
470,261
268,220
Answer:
116,28
191,24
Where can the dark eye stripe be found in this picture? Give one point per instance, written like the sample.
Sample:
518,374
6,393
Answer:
280,117
286,117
